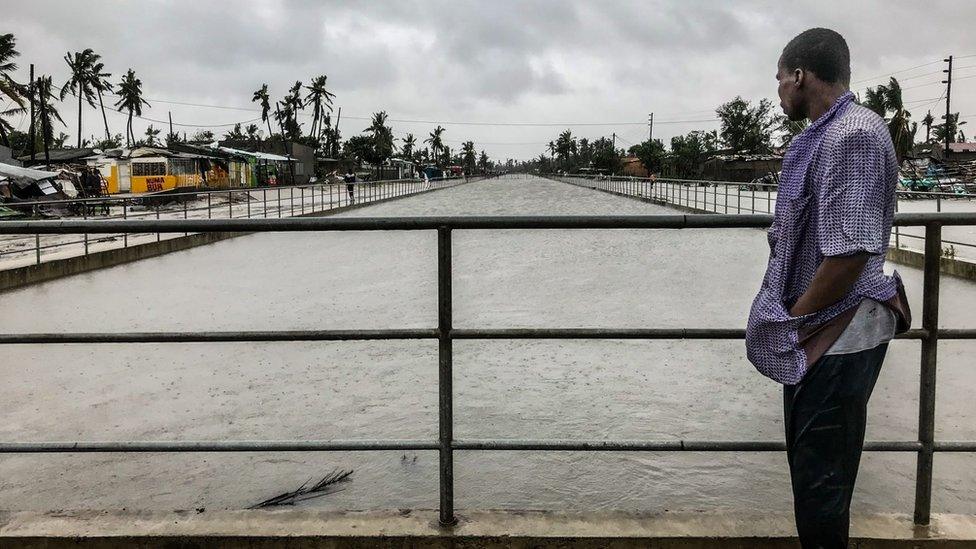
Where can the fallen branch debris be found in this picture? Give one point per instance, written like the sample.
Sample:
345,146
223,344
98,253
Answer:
305,492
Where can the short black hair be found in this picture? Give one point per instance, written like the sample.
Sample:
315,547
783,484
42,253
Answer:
821,51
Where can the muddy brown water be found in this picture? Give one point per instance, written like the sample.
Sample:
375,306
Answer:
657,390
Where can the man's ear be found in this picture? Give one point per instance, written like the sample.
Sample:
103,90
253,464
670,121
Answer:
799,77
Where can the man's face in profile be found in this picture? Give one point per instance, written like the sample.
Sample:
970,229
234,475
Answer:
789,93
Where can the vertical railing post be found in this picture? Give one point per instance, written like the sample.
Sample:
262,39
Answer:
125,236
926,395
37,247
897,231
445,375
84,213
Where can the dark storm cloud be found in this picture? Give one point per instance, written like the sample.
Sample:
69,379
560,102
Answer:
533,60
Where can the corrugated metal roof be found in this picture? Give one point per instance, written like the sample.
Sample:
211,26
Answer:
27,173
258,155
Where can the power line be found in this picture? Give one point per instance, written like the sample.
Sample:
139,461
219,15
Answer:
896,72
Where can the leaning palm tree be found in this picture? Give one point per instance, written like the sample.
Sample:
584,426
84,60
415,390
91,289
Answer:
291,107
79,84
9,90
130,99
320,99
874,99
265,99
99,82
436,142
900,127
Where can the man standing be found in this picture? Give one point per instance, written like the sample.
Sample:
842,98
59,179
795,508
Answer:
826,311
350,179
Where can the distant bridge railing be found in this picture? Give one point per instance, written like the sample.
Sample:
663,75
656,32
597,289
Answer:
925,446
727,197
242,203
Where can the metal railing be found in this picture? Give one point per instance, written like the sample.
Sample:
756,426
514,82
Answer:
925,446
727,197
246,203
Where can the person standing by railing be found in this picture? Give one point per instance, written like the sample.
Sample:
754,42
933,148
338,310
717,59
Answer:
826,311
350,179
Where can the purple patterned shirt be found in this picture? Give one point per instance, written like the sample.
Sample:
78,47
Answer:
836,197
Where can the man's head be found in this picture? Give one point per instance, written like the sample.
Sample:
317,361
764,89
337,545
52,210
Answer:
815,63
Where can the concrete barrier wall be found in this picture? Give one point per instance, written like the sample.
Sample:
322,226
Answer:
59,268
949,265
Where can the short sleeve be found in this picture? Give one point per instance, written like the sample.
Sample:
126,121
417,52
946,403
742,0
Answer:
854,205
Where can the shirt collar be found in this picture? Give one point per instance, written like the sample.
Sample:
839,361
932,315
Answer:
841,102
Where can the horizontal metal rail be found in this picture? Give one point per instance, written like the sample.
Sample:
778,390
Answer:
457,444
692,221
431,333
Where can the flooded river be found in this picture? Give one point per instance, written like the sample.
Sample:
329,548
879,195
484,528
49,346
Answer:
657,390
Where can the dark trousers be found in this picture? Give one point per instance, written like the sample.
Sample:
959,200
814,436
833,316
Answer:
825,415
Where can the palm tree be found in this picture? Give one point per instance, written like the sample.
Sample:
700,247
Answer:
9,89
552,150
483,162
47,113
469,155
874,99
235,134
99,81
565,146
252,133
151,134
948,131
130,99
290,106
899,125
382,137
436,141
320,99
80,82
406,150
265,99
888,98
927,122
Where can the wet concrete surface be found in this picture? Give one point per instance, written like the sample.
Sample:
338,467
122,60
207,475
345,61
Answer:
658,390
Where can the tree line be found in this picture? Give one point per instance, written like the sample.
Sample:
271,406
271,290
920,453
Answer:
89,83
744,128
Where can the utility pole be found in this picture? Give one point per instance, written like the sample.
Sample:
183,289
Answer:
650,127
614,143
32,131
170,113
948,82
335,133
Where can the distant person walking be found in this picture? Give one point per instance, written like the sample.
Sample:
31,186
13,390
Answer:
826,311
350,179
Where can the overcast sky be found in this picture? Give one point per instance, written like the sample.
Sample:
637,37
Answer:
543,61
